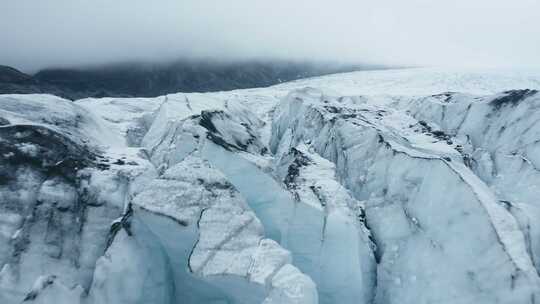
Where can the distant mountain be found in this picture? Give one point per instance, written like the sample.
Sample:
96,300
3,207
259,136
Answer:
148,80
13,81
9,74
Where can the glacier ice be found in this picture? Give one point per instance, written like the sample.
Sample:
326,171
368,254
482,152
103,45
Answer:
404,186
486,128
409,181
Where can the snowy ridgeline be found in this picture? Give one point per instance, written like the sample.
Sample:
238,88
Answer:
280,195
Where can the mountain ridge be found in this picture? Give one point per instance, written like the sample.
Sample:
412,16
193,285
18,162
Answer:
137,79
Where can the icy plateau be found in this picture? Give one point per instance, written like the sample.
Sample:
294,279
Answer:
396,186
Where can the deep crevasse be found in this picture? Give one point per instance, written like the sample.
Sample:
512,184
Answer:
327,247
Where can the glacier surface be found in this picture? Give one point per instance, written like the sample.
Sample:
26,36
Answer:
396,186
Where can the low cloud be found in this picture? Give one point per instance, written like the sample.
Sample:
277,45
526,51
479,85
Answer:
43,33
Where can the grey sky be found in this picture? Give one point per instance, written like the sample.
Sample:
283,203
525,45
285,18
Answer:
39,33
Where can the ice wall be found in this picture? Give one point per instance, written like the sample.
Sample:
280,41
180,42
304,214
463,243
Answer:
499,138
438,229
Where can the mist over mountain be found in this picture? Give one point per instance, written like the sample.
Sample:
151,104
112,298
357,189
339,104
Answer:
415,32
144,79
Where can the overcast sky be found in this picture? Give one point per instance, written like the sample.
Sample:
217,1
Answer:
41,33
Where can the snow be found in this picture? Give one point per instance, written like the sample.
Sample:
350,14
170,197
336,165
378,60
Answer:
290,286
47,289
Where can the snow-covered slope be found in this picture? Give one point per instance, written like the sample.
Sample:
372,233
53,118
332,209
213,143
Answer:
366,187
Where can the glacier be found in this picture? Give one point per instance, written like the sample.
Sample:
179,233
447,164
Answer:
392,186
